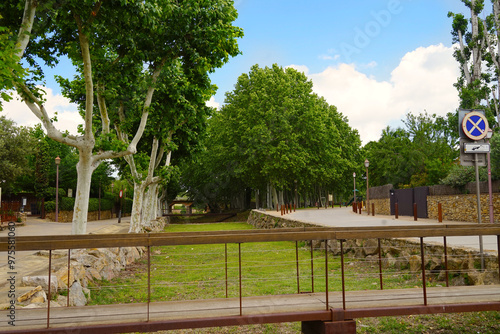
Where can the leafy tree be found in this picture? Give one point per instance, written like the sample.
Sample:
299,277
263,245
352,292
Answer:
420,154
120,49
271,132
478,85
15,147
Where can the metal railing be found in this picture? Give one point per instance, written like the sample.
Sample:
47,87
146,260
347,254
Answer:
296,235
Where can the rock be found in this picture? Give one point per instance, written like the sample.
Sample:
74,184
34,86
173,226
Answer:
415,263
56,254
37,295
42,281
435,263
76,295
371,246
476,278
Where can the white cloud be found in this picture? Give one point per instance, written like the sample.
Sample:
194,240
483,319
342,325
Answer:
67,114
422,81
213,103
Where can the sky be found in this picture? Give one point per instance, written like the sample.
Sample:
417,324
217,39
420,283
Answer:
375,60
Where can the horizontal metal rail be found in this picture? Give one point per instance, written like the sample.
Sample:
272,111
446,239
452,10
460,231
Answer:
331,313
243,236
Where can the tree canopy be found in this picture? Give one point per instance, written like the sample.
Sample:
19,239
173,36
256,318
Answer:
274,131
120,49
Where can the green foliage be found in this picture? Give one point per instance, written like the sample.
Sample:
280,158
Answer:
459,176
16,145
420,154
272,130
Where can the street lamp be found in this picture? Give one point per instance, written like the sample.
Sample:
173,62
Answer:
367,163
354,177
58,161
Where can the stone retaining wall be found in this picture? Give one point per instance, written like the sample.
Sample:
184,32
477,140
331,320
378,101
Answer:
463,263
382,206
463,207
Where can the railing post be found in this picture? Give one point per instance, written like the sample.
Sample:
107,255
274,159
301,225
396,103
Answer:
69,272
498,252
297,263
424,283
312,267
440,213
373,209
326,273
342,271
48,297
380,265
446,261
149,278
239,265
415,214
396,210
225,260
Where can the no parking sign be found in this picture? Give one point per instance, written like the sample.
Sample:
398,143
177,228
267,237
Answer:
475,125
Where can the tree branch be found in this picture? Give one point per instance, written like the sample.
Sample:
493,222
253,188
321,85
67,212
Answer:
24,34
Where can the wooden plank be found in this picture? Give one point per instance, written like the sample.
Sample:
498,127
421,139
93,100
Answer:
259,305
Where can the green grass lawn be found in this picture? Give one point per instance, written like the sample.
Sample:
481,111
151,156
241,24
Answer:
199,272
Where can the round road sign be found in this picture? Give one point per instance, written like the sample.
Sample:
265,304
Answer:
475,125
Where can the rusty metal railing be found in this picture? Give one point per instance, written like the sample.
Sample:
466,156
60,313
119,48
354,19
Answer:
51,243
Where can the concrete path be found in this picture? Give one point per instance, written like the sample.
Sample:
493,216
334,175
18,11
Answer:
345,217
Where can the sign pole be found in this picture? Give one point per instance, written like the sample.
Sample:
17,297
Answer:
478,197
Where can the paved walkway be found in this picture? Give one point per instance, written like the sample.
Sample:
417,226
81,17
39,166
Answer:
345,217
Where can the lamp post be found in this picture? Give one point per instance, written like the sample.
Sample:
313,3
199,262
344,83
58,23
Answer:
354,177
367,163
296,197
58,161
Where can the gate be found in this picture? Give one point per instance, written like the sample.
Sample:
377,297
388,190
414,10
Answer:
8,210
406,198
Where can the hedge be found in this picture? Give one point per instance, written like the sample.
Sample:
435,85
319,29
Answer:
68,203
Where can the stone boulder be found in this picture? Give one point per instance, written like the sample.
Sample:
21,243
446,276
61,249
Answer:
42,281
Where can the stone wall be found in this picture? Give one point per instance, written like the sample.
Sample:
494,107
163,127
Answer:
463,263
262,220
463,207
382,206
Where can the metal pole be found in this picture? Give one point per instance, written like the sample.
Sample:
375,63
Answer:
99,212
478,199
489,189
424,284
239,254
380,265
297,263
354,177
326,273
342,271
312,267
149,278
225,255
69,267
57,193
367,194
48,297
446,261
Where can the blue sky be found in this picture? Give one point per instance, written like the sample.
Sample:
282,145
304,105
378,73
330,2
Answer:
322,33
375,60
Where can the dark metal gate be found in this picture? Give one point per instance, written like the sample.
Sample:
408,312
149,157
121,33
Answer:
406,198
